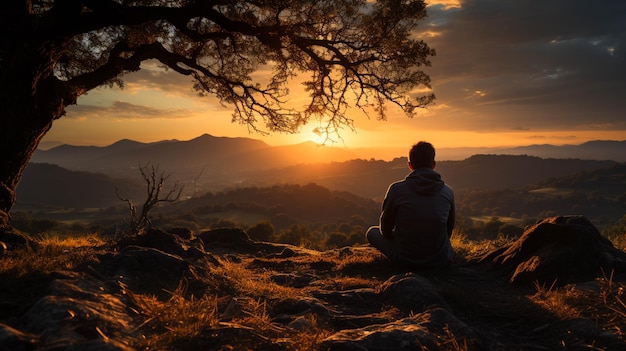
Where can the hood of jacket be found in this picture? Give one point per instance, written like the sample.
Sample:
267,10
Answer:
424,181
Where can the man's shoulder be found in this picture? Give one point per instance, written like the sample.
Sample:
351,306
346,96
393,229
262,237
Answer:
398,184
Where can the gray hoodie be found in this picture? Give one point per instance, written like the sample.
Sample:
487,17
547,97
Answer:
418,214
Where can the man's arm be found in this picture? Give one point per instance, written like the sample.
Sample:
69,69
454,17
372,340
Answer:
388,216
451,219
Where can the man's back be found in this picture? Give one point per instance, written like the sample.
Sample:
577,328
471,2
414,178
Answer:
418,215
418,212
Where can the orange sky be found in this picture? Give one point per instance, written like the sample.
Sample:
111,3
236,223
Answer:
560,82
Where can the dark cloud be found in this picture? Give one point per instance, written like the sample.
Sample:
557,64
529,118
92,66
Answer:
536,64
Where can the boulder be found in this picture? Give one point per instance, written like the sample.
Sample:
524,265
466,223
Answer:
403,335
558,250
227,237
178,242
146,270
409,292
435,329
79,309
13,239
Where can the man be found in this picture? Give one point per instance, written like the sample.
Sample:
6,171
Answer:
417,215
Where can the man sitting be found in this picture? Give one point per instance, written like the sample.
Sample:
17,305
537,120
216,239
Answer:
417,215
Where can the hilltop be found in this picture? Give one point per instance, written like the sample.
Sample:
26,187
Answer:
211,163
219,290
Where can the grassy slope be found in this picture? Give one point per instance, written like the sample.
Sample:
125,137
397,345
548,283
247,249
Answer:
238,303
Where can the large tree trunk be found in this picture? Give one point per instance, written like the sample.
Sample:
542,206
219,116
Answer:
21,129
31,98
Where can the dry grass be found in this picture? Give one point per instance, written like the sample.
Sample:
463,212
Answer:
619,241
242,296
165,322
471,248
255,292
603,301
53,254
246,282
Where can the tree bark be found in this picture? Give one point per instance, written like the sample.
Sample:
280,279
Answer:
31,99
25,120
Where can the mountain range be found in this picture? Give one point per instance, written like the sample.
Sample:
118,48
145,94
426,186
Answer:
87,176
591,150
211,150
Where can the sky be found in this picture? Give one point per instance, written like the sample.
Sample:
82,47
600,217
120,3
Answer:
506,73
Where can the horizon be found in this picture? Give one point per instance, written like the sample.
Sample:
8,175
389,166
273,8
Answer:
385,154
560,83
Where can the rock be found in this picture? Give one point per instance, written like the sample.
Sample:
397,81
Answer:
226,237
174,243
300,324
561,250
354,300
76,310
403,335
14,340
290,279
293,307
410,293
12,239
430,330
444,323
184,233
146,270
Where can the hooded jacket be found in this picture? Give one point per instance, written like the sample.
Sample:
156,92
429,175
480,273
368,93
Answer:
418,214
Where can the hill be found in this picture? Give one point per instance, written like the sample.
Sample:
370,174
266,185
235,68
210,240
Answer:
599,194
592,150
48,185
219,290
346,196
600,150
72,156
364,178
221,161
213,163
370,178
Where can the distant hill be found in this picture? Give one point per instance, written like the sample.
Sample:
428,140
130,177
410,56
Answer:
511,171
226,161
599,194
592,150
285,205
221,161
53,186
86,175
487,172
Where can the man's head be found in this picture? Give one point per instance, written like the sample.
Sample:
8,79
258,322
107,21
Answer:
422,155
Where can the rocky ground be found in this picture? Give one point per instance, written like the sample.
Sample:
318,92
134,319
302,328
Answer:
558,287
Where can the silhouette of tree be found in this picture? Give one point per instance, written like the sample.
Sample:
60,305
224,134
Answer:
355,54
155,181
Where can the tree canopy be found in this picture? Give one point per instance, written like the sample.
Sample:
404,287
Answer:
353,53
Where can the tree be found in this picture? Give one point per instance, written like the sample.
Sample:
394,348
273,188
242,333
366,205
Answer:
155,181
355,53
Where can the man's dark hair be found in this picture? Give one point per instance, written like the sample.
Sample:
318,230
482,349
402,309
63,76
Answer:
422,155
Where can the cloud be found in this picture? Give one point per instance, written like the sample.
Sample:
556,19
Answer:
124,110
153,76
551,63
